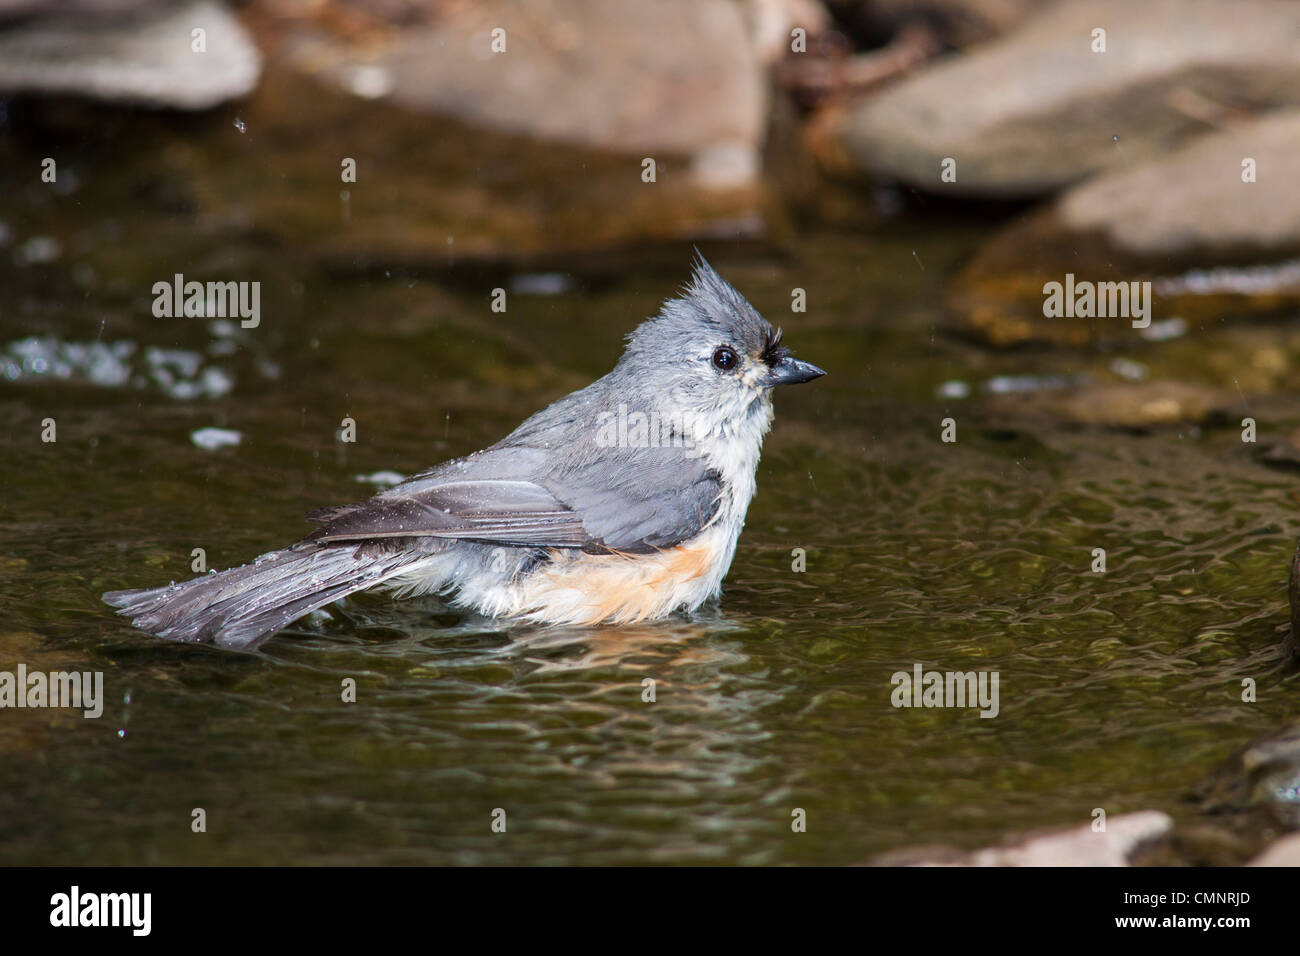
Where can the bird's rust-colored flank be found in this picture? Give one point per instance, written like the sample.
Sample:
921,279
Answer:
620,589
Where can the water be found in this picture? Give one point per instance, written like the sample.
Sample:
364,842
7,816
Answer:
1119,690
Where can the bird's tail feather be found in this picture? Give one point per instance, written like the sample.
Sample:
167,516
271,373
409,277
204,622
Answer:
242,607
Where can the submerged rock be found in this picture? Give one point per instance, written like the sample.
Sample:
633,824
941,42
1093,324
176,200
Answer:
1039,109
1131,405
1285,451
131,53
429,192
1263,777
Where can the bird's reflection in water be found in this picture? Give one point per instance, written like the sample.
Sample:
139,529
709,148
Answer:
697,642
567,719
662,647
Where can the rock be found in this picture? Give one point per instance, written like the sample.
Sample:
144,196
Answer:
1038,109
1210,244
771,23
1284,852
1077,846
1264,777
143,58
678,78
1285,451
1214,842
1121,405
1193,205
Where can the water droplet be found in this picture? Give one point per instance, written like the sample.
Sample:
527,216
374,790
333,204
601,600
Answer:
241,125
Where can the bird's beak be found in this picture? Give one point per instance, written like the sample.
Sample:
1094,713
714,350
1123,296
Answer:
791,371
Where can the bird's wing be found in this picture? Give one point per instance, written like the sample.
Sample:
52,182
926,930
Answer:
640,500
504,496
489,496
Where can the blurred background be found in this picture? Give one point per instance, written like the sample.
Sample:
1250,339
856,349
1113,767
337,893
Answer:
894,182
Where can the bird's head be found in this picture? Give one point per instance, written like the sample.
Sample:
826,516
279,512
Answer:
710,354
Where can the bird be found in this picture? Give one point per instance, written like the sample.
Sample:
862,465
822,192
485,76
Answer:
619,503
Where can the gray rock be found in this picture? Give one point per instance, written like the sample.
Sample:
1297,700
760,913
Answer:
1284,852
1193,203
1038,110
1077,846
770,23
677,77
1212,245
1081,846
141,59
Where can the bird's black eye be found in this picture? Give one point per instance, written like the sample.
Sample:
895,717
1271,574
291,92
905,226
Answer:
724,358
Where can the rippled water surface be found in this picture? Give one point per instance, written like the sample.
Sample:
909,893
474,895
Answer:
1118,690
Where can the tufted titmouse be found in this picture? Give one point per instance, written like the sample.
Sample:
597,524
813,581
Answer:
621,502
